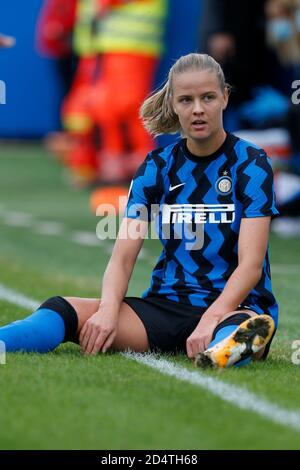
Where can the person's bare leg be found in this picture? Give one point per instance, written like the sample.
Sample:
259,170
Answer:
131,333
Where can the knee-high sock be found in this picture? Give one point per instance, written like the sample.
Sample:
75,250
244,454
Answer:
225,328
54,322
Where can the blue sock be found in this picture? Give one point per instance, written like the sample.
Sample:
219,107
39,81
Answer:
223,333
53,323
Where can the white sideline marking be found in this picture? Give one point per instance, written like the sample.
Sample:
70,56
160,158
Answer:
15,298
17,219
81,237
109,247
238,396
5,213
85,238
143,256
49,228
285,269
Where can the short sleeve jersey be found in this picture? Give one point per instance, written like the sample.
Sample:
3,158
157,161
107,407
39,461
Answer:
198,204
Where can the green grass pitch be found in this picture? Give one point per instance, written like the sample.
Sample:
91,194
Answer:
63,400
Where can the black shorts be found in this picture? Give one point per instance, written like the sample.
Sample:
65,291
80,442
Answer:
168,323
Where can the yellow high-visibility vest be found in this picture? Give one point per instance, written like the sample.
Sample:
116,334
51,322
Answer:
134,27
83,35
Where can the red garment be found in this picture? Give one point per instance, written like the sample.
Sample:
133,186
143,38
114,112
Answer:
107,93
125,81
83,155
112,103
54,27
76,101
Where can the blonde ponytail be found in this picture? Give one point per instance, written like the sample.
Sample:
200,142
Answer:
157,111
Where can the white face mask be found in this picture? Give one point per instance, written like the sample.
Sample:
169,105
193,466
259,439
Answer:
280,28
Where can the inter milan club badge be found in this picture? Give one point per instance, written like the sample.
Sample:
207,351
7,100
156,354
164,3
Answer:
224,185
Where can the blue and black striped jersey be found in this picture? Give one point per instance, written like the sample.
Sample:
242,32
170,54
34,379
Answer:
198,204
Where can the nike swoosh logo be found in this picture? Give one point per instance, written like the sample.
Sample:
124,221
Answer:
171,188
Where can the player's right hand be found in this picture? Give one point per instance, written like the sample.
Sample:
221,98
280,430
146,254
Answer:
99,331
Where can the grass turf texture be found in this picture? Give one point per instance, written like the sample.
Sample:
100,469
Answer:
64,400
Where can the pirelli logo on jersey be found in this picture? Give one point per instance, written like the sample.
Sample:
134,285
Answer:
187,221
198,213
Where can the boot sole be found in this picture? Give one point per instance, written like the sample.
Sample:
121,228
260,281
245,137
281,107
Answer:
249,337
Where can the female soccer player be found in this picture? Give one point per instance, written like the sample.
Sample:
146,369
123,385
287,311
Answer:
211,195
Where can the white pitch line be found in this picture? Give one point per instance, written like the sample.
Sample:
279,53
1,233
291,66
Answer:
21,214
142,256
15,298
237,396
49,228
285,269
85,238
53,228
89,239
17,219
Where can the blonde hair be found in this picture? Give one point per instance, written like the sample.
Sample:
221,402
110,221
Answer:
157,111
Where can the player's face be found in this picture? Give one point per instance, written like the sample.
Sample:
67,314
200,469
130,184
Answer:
199,103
